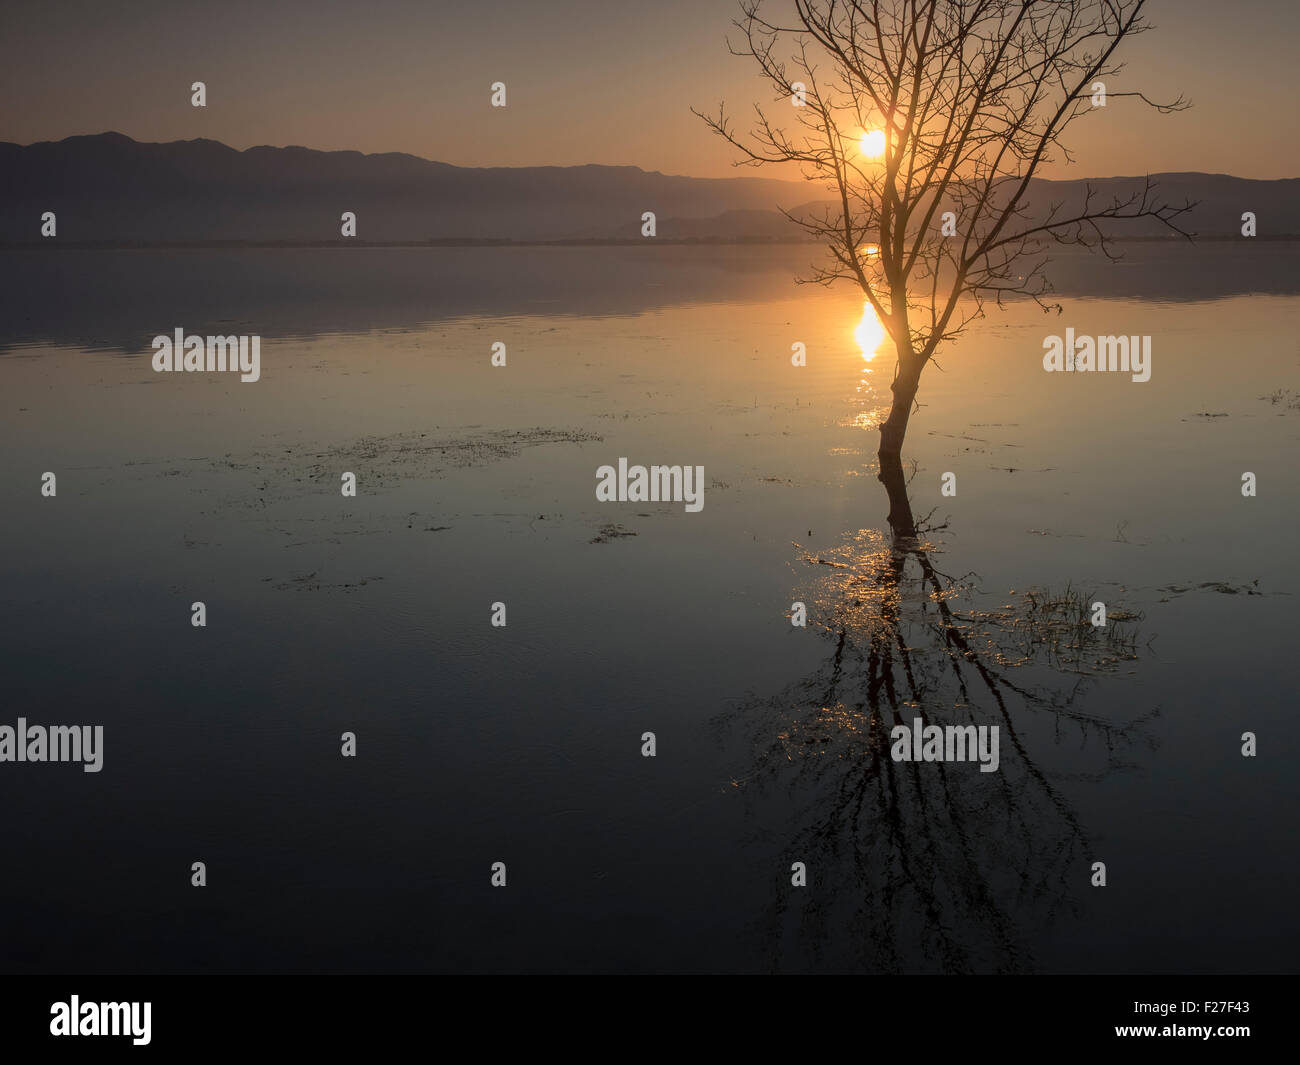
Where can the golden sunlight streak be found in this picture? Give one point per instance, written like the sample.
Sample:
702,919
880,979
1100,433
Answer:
873,143
870,334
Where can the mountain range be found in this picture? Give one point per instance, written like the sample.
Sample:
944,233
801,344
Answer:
109,188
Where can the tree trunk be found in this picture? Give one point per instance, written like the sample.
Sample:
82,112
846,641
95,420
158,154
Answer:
894,428
892,431
901,522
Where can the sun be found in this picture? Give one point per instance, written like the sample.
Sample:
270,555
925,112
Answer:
873,143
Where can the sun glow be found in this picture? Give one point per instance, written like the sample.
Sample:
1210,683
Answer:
873,143
870,334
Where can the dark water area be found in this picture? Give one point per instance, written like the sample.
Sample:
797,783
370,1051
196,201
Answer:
479,744
106,298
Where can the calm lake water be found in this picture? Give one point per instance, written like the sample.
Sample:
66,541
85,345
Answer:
522,744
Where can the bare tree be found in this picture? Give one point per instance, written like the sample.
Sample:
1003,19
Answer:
966,99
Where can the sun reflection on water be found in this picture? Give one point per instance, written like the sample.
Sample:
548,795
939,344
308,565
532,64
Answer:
870,334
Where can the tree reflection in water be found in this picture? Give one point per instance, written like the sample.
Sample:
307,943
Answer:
931,866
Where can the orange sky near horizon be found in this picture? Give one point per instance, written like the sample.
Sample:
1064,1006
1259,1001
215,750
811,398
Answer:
588,81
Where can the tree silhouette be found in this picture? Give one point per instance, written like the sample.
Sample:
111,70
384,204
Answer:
967,100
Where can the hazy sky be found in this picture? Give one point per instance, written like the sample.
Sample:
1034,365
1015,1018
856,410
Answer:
589,81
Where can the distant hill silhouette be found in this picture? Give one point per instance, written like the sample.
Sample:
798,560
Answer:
1220,202
108,187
